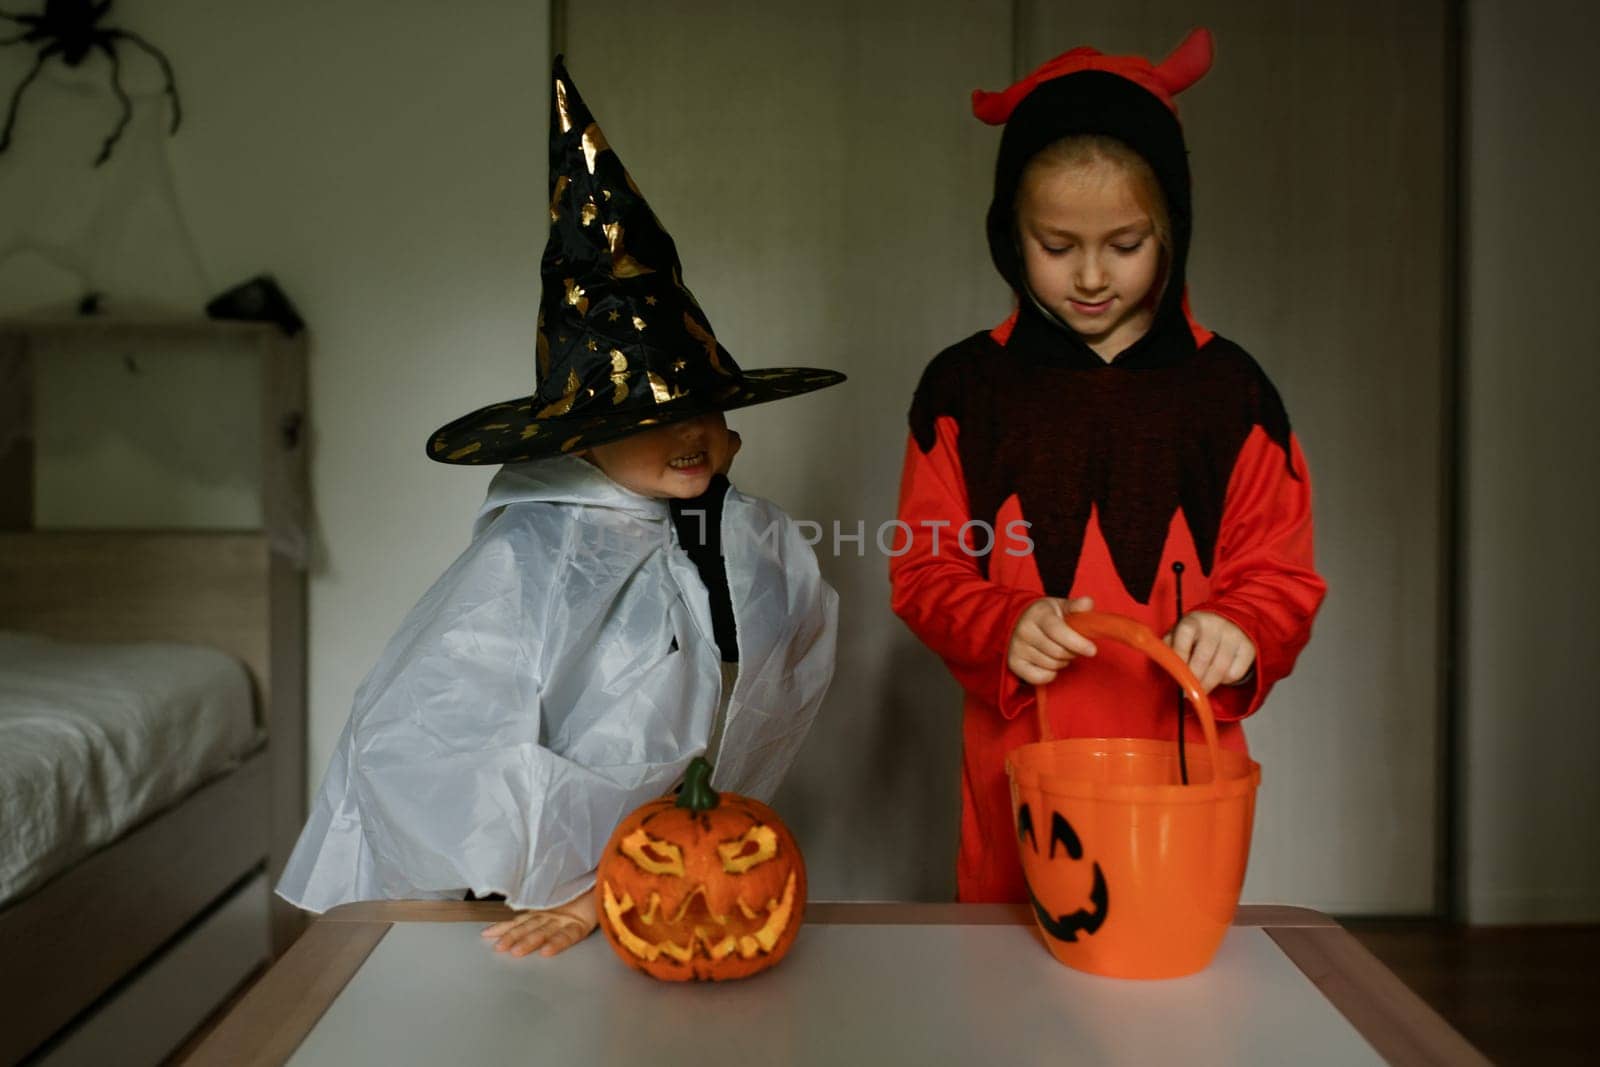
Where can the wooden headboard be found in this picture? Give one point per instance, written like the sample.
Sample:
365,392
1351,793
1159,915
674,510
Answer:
203,588
242,591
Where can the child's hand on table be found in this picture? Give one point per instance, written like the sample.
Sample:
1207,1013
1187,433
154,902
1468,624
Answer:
1042,643
550,930
1215,649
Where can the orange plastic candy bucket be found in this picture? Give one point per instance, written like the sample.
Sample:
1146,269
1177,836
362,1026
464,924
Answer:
1131,873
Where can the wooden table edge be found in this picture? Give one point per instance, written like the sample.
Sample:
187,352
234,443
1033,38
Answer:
1385,1011
274,1017
271,1021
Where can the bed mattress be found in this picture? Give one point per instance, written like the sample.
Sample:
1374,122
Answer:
96,738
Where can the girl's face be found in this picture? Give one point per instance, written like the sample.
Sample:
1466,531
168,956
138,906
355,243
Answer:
1089,251
675,460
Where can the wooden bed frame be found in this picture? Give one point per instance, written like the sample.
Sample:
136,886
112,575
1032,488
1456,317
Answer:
173,915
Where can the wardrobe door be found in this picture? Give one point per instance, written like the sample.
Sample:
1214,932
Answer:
1322,159
1530,575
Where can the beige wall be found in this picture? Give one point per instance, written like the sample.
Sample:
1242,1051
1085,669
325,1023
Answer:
1531,581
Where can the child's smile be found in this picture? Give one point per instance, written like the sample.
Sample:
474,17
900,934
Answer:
1090,253
677,460
1091,309
689,464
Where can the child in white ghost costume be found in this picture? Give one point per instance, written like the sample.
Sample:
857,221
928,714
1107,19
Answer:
562,672
567,667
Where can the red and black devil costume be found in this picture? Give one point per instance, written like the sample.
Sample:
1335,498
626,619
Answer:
1176,451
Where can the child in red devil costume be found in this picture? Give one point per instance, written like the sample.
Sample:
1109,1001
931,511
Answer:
1098,449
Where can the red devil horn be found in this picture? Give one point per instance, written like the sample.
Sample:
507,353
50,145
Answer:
996,108
1188,62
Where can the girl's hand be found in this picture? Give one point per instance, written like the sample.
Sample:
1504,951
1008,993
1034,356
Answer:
1216,650
550,930
1042,643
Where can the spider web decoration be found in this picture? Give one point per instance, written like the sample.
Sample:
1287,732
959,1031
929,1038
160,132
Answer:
71,230
69,32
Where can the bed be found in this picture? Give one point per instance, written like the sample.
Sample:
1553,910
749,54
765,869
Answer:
152,684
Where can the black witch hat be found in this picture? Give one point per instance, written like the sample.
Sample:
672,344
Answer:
622,344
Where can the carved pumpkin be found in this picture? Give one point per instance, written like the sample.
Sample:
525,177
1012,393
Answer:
702,885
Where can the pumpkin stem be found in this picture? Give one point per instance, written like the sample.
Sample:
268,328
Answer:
697,794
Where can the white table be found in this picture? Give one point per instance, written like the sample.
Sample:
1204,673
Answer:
413,983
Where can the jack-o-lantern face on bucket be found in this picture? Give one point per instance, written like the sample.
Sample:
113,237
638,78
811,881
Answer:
1063,925
703,885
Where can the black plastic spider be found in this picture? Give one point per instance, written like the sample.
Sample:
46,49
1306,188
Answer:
70,30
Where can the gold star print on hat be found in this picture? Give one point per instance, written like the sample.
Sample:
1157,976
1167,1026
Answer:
622,344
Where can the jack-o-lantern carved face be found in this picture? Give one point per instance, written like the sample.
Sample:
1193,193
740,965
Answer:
1063,925
704,885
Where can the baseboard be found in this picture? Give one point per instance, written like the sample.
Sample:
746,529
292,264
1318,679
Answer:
144,1020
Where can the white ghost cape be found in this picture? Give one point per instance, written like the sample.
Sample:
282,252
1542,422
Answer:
562,672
